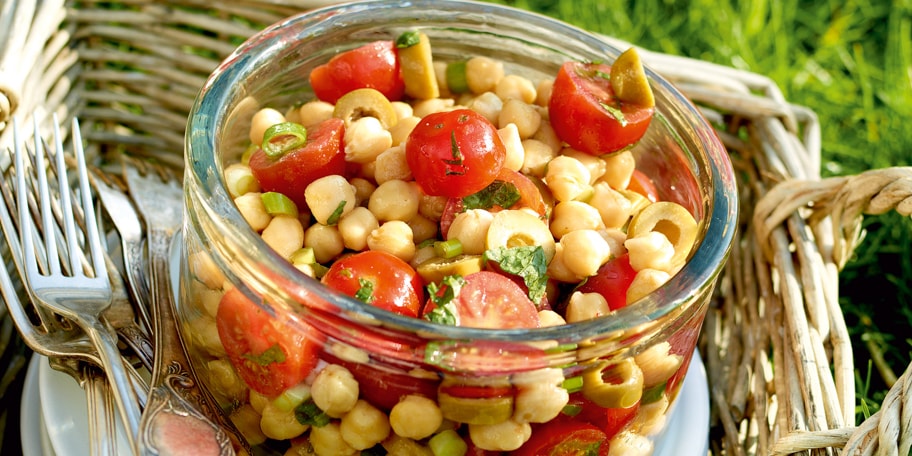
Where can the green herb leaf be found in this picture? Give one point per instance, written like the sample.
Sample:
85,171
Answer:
337,214
457,158
527,262
615,112
273,354
498,193
365,294
444,299
408,39
309,413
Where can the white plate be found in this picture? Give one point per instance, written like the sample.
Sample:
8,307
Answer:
35,441
688,424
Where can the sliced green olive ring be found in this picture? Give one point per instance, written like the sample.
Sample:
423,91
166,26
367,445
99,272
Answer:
614,385
670,219
365,103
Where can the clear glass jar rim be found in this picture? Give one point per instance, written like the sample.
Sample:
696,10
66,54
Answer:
204,171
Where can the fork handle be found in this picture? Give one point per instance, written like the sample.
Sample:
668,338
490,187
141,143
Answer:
124,397
177,405
102,430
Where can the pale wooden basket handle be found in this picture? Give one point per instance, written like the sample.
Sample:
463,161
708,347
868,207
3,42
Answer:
836,205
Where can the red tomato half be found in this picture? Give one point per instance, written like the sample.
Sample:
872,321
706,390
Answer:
610,420
612,281
322,155
380,279
586,115
454,153
490,300
642,184
374,65
268,356
565,437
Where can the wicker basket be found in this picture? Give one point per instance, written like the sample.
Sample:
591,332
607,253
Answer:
777,351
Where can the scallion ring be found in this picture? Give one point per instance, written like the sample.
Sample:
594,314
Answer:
282,138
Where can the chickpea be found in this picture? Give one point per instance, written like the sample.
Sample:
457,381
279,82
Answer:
646,281
326,242
586,306
394,237
356,226
568,178
574,215
329,198
651,250
525,116
334,390
251,207
415,417
395,200
471,228
614,208
425,107
313,112
540,396
399,132
483,74
543,92
536,156
391,165
618,169
364,426
247,420
327,441
284,234
280,424
515,86
505,436
365,139
488,105
515,156
239,180
261,121
585,251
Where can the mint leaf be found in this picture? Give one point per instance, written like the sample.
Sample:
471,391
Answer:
309,413
498,193
527,262
444,299
273,354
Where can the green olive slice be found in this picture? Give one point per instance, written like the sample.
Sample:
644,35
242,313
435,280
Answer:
435,269
613,385
365,102
628,80
670,219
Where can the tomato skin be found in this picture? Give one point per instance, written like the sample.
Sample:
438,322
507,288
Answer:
323,154
397,287
441,169
612,281
610,420
564,436
579,118
373,65
248,331
491,300
643,184
384,388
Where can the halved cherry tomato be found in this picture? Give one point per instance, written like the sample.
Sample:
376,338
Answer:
611,281
379,279
322,155
586,114
454,153
384,387
642,184
565,437
610,420
490,300
373,65
529,196
268,356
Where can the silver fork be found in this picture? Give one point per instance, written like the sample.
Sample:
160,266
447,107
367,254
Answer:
80,297
176,394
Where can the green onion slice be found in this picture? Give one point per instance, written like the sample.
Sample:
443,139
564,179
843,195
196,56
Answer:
456,77
279,204
282,138
448,249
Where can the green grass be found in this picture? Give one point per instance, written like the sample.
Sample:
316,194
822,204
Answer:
851,62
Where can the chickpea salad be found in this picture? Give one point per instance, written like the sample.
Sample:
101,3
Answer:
455,193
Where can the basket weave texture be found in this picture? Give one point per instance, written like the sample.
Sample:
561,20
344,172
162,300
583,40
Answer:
777,351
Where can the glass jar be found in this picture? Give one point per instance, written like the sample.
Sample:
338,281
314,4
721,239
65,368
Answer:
631,361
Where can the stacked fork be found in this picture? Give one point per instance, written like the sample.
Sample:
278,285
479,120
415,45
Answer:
83,303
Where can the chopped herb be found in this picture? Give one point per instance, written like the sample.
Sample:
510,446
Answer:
408,39
602,74
444,299
615,112
527,262
337,214
309,413
498,193
273,354
347,273
457,157
365,294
